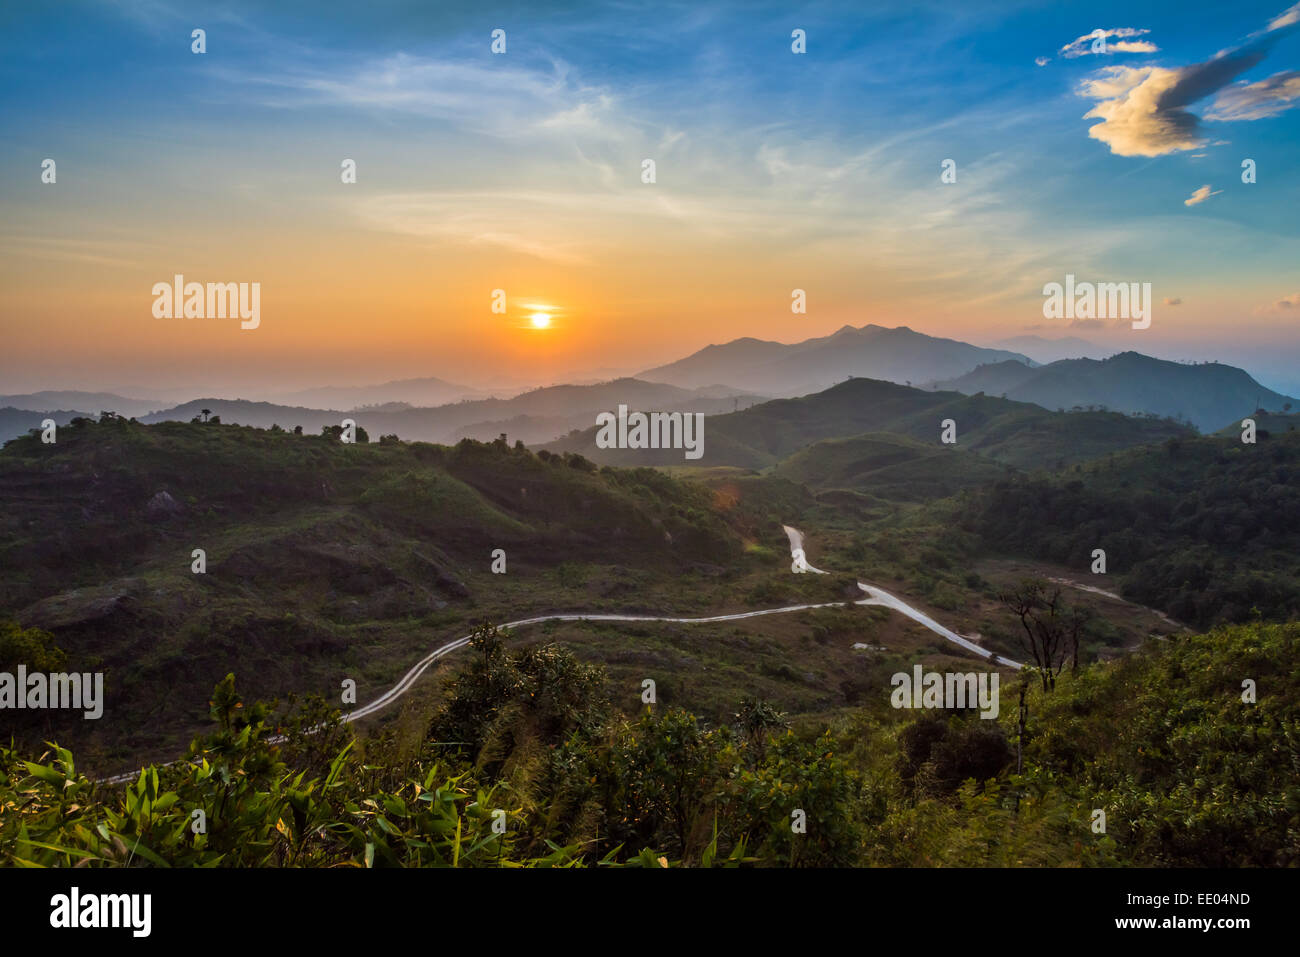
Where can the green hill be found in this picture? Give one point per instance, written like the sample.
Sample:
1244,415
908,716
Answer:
324,561
892,467
1013,433
1272,423
1207,529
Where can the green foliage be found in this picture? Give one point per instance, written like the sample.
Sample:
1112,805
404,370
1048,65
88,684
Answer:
316,550
1188,773
32,647
234,803
1013,433
1206,530
938,754
542,694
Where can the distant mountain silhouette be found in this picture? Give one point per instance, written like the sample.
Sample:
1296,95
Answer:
535,417
1044,350
16,422
773,368
425,393
95,402
1207,395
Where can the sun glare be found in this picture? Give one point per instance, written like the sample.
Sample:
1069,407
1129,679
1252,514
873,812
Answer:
540,320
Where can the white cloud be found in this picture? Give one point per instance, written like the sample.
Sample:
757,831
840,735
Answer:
1145,111
1136,119
1286,306
501,100
1200,195
1124,44
1288,17
1254,101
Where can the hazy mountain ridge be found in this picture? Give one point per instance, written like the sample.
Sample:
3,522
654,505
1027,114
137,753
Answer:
1015,433
74,399
1207,394
15,422
1044,350
539,415
813,365
425,392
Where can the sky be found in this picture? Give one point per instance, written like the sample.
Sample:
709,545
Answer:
522,171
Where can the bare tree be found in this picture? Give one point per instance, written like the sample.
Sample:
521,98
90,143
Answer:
1051,629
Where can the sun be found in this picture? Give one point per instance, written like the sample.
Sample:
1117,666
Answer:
540,320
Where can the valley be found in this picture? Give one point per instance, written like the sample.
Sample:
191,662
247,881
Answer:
352,560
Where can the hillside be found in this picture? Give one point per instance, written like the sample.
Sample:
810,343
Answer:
1207,529
324,560
1272,423
1043,350
995,378
1013,433
1207,395
1189,775
887,466
773,368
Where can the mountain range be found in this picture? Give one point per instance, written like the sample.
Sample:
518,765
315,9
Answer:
1042,349
532,417
427,391
1014,433
716,380
801,368
91,402
1209,395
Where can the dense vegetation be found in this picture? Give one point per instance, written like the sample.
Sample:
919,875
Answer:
1013,433
324,560
890,467
1207,529
328,560
1188,772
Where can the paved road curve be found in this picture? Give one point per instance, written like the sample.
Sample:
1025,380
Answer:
875,596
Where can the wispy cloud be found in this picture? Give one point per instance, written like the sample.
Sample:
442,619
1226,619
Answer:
59,249
1254,101
1118,40
1200,195
1286,18
504,100
1287,305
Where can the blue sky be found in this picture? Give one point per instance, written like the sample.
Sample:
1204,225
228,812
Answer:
774,170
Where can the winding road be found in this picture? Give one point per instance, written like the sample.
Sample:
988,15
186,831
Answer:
875,596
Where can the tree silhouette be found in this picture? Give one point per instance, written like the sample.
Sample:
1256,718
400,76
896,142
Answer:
1051,628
